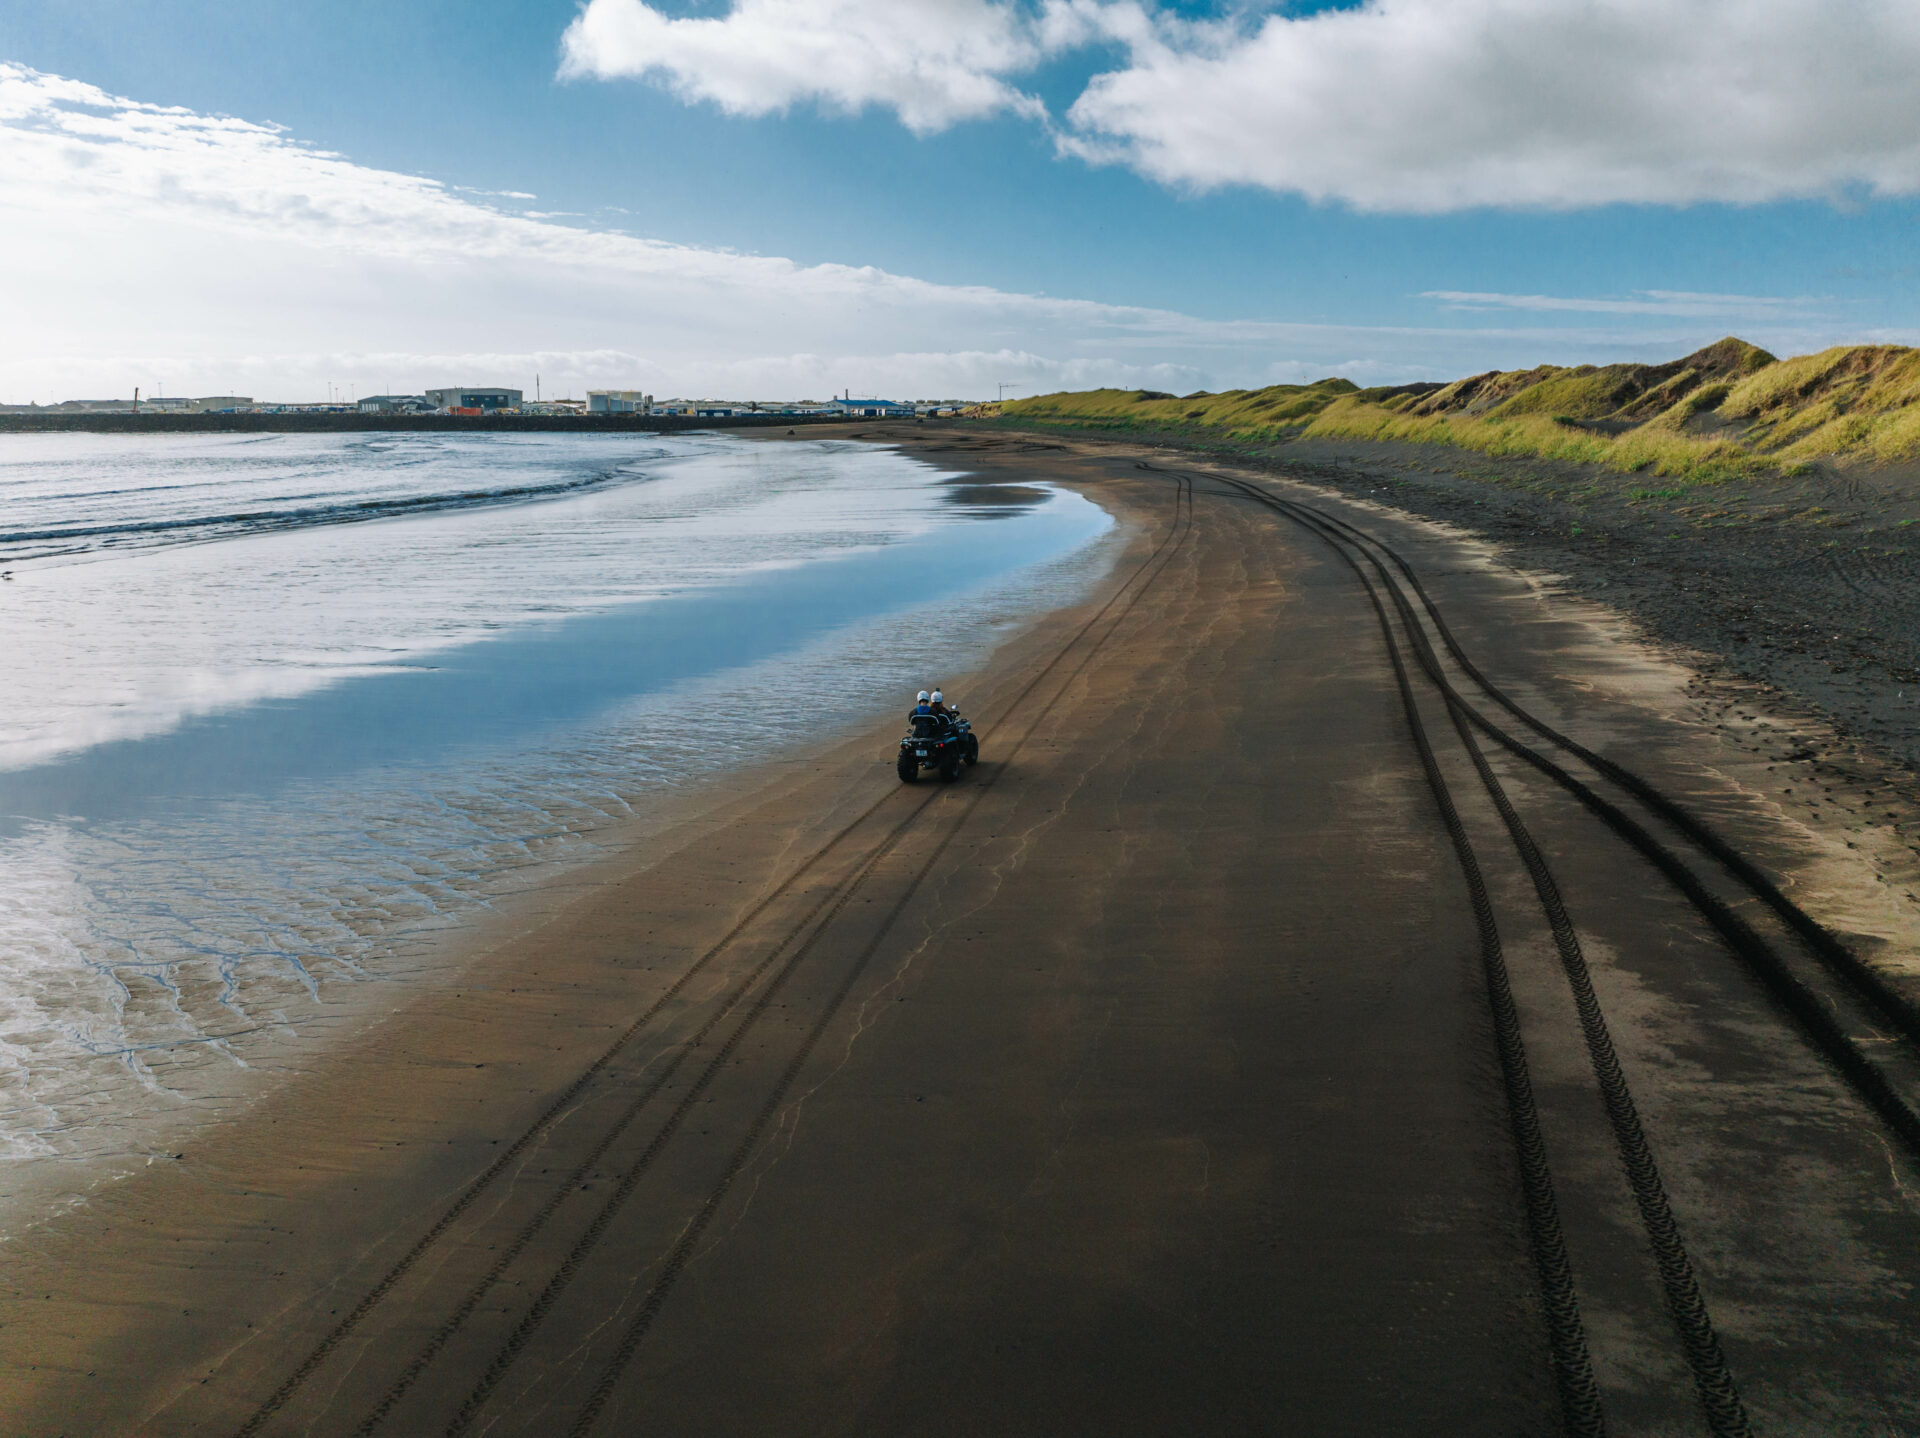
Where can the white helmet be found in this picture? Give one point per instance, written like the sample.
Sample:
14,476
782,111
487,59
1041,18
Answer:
936,696
921,697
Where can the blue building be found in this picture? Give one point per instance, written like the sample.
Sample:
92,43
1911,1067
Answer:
873,409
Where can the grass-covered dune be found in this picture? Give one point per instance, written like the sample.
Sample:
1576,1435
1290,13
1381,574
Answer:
1727,411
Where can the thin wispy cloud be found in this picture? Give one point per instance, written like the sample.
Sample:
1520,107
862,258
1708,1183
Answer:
1678,303
1412,106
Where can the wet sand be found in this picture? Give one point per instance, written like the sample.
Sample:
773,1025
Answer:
1141,1081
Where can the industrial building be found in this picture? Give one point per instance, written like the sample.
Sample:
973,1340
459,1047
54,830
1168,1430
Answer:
396,404
468,397
618,401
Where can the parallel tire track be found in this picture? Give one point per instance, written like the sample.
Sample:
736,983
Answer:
1566,1334
609,1379
1713,1381
1801,1004
1891,1006
569,1269
561,1102
1714,1384
837,900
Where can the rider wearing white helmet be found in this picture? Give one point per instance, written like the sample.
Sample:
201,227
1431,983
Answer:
938,706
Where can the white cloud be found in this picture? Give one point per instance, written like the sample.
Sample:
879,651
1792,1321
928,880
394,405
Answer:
1432,105
1397,105
933,62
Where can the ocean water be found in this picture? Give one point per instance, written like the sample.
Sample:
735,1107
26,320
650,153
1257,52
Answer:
276,712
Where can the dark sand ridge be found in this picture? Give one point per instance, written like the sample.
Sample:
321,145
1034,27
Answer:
1143,1081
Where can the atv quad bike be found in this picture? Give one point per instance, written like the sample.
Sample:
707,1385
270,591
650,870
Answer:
935,741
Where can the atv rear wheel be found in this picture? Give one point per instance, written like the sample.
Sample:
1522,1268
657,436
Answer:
951,769
973,750
908,768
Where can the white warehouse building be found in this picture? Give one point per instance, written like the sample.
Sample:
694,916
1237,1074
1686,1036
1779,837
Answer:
618,401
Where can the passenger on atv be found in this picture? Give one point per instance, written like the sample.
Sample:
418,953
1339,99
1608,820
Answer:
937,738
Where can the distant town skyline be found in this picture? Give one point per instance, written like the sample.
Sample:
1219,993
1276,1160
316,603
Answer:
482,400
763,199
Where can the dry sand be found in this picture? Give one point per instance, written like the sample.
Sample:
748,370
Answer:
1142,1081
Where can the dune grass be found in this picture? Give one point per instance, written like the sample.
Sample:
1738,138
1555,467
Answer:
1853,399
1730,411
1241,414
1664,452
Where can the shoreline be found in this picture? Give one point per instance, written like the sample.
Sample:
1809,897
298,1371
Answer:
216,1080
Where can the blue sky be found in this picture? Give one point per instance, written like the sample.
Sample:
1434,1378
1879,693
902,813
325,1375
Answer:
1800,243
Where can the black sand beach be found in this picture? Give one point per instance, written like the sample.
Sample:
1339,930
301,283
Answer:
1154,1077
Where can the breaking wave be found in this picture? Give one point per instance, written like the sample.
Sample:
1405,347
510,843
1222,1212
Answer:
58,507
